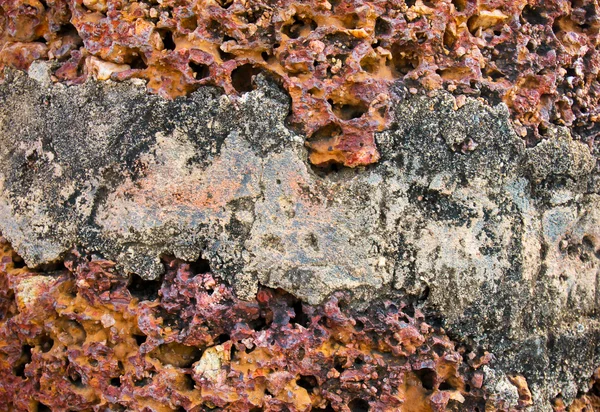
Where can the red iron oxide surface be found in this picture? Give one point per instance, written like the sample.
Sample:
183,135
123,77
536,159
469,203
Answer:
339,60
80,337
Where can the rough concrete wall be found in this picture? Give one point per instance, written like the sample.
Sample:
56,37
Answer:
499,242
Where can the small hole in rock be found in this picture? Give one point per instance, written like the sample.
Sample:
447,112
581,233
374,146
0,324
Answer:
259,324
143,289
115,382
188,382
75,379
533,15
167,39
241,77
46,343
326,132
252,15
200,266
348,111
450,38
338,363
19,368
421,37
222,338
460,5
139,339
472,24
445,386
409,310
300,27
232,352
215,29
359,326
307,382
404,60
370,64
176,354
427,377
225,3
382,27
43,408
201,71
142,382
300,317
189,24
18,262
358,405
226,56
588,242
138,63
53,267
424,294
351,21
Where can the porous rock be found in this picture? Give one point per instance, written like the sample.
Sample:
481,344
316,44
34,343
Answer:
338,60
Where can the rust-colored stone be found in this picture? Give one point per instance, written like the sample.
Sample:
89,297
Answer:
340,61
81,337
589,401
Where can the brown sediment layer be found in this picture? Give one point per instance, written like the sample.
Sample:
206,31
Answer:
338,60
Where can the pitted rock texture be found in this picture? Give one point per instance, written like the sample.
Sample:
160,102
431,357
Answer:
81,337
500,241
588,401
339,60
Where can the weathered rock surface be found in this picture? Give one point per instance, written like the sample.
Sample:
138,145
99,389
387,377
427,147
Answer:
500,241
338,60
81,337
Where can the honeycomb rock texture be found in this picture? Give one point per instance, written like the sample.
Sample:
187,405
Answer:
340,61
459,225
81,337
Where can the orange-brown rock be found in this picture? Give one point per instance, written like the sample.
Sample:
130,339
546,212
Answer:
80,337
341,61
589,401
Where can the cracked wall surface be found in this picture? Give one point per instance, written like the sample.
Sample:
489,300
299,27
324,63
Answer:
498,242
